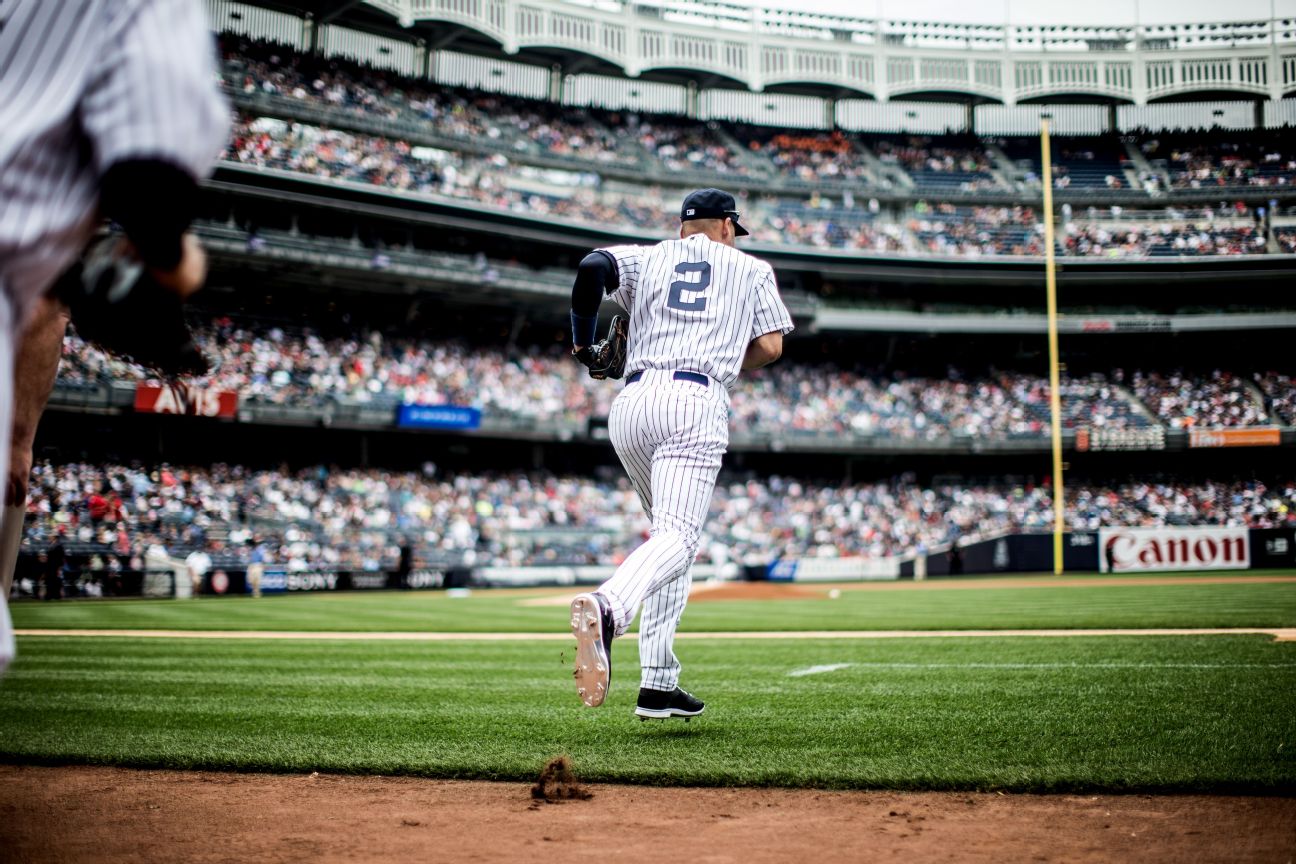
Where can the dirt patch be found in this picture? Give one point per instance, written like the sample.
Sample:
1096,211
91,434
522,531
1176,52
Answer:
111,814
558,782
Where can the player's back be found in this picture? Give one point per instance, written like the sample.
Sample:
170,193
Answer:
696,306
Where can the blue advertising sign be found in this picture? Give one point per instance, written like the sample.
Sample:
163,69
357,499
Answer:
782,570
438,417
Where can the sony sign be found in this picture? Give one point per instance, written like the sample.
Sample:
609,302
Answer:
311,581
1127,549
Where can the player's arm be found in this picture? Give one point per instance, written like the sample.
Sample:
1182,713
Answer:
763,350
769,324
157,121
596,277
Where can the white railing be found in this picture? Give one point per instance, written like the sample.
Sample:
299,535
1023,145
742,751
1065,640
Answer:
881,74
887,59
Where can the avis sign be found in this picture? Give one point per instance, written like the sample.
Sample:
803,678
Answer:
1123,550
175,399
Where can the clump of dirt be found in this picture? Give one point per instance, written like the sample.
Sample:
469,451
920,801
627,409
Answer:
558,783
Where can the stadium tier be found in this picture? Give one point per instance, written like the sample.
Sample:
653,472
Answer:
268,365
358,520
338,120
818,222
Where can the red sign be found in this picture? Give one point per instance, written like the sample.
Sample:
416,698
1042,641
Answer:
179,399
1124,549
1243,436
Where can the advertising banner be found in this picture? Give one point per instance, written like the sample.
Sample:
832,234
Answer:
1247,436
367,580
275,581
1098,438
1124,550
278,580
438,417
833,569
1273,547
178,399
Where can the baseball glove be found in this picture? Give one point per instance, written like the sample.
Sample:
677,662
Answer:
607,358
117,306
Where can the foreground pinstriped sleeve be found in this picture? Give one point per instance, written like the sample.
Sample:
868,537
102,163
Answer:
153,93
771,314
629,260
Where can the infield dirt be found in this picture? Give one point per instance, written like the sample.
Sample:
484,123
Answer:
114,814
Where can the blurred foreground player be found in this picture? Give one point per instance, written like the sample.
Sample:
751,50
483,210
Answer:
35,368
110,109
701,311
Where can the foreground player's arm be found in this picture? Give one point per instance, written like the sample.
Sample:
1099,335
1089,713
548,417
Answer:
596,277
35,367
157,121
763,350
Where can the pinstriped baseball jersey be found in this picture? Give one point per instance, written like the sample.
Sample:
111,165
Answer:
695,304
85,84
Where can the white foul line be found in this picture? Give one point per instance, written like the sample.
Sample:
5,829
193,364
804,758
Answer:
815,670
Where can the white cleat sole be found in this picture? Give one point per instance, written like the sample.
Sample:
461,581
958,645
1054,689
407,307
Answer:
593,667
665,713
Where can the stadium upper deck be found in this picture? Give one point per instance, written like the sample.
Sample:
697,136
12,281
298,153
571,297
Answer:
762,49
712,60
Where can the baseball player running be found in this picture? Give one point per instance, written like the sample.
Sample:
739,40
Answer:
110,110
700,312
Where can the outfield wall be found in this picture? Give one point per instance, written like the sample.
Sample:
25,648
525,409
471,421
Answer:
1108,550
1121,550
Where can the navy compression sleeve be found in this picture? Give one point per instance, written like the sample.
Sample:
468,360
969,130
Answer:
154,201
596,276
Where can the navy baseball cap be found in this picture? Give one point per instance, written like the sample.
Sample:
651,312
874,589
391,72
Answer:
712,204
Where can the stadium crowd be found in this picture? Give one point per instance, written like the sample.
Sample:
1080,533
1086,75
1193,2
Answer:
270,365
1222,399
812,157
941,229
1218,158
323,518
251,67
937,229
663,145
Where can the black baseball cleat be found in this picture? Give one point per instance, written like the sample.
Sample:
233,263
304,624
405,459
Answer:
592,625
661,704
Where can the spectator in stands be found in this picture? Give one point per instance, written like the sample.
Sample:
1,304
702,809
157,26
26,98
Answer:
352,520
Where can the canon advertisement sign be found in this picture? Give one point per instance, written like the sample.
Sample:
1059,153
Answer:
1125,549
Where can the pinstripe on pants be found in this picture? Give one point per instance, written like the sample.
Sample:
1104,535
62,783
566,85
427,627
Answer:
9,335
670,436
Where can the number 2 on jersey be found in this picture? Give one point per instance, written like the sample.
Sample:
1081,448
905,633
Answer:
678,287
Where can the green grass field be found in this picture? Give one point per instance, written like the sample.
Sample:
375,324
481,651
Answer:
1021,713
929,606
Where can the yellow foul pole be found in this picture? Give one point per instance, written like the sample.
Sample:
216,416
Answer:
1055,395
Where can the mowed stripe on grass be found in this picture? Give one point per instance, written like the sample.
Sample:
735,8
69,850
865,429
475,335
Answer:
1117,713
1281,634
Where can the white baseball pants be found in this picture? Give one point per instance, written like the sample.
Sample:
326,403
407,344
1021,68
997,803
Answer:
670,436
9,332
